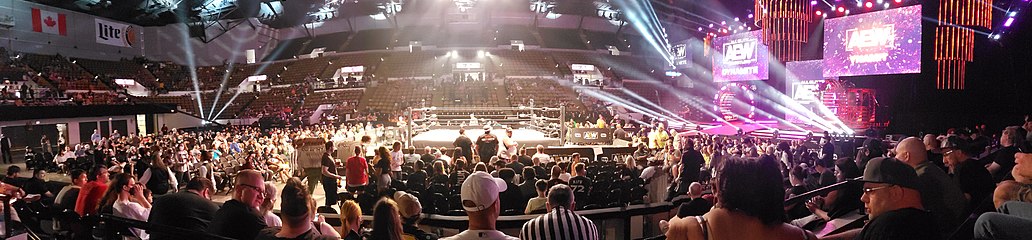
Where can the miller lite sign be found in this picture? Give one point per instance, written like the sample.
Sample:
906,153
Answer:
115,34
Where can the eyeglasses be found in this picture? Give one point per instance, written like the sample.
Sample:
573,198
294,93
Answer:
261,192
869,190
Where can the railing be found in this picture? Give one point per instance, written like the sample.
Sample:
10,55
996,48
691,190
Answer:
180,233
820,191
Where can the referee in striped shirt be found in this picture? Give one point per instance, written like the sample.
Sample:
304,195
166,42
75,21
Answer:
561,222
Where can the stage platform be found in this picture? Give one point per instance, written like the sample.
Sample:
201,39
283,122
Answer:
445,137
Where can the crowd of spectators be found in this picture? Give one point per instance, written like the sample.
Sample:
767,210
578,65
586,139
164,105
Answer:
726,187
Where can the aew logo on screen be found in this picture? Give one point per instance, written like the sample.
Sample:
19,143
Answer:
740,51
869,45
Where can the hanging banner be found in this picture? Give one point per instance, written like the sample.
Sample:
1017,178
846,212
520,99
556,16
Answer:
114,33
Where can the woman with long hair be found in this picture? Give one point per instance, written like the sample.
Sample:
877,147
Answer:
750,200
382,169
386,220
159,178
124,198
351,220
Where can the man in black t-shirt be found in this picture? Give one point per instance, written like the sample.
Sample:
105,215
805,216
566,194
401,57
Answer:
487,146
581,184
893,204
465,144
975,181
329,175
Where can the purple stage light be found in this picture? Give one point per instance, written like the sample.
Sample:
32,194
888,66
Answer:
1008,22
750,15
814,2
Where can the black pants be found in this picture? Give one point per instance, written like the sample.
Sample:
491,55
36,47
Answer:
329,186
7,155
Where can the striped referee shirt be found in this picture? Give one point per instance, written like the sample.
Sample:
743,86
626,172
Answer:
561,223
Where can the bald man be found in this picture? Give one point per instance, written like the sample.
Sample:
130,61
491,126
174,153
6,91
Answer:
939,194
239,217
698,205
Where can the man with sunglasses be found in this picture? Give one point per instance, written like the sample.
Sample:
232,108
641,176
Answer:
239,217
974,179
893,204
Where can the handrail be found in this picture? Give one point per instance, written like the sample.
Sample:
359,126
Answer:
823,190
171,230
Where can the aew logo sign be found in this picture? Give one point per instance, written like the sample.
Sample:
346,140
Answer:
870,44
115,34
591,135
740,51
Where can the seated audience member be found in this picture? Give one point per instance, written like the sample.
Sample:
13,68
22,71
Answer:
12,176
1011,140
697,205
439,176
539,153
479,194
298,209
65,198
1019,189
511,198
1011,221
38,185
975,181
527,189
893,204
124,198
271,219
417,180
386,220
561,220
581,184
351,220
751,200
458,176
411,211
940,195
796,178
537,203
239,217
838,202
556,176
189,209
90,194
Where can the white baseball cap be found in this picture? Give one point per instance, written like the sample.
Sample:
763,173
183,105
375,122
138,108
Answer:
480,191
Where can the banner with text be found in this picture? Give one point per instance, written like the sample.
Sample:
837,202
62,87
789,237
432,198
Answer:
114,33
740,57
882,42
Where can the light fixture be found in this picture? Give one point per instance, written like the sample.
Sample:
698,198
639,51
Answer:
841,9
868,4
818,12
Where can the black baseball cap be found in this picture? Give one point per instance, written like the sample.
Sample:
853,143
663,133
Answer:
891,171
954,142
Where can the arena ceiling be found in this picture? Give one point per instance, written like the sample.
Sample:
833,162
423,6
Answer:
289,13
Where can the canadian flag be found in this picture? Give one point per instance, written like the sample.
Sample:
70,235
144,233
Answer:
48,22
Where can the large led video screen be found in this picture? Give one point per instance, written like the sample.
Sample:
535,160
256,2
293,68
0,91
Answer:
740,57
883,42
